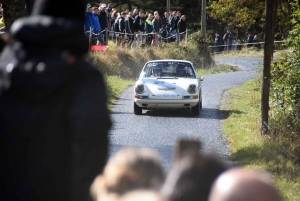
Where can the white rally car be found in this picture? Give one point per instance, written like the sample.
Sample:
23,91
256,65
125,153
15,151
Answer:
166,84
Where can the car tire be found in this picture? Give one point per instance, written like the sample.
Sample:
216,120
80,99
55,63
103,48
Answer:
137,110
201,103
196,109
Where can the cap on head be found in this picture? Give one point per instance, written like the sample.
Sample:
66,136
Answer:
103,5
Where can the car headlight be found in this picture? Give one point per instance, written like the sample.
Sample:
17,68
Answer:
139,89
192,89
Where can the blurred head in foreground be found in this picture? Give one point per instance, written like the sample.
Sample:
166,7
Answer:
130,169
244,185
192,174
142,195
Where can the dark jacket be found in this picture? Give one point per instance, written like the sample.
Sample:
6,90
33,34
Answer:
181,26
54,119
157,25
138,24
227,37
129,26
122,24
103,20
116,26
176,20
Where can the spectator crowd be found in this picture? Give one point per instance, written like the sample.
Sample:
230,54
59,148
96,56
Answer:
231,42
129,25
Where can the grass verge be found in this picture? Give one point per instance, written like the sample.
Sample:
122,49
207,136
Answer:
115,86
219,68
249,148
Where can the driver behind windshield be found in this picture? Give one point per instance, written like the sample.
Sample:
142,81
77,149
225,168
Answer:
156,72
181,71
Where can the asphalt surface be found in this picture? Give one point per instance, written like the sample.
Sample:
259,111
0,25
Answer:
159,129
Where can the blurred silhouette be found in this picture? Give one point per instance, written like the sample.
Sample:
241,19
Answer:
192,174
244,185
132,168
53,115
142,195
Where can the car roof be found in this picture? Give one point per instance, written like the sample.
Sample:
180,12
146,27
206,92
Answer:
173,60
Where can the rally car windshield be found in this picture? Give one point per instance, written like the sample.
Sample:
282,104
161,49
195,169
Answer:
168,69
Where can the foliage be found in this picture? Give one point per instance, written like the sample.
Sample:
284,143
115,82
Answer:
237,14
249,15
285,88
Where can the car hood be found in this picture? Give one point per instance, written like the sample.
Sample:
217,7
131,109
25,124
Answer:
167,88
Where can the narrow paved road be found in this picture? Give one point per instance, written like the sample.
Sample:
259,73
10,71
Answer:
159,129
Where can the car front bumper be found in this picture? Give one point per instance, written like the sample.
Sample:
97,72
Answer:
166,104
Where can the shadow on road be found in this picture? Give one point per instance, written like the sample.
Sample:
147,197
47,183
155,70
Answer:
205,113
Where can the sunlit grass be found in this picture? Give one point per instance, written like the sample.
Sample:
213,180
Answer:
250,148
115,86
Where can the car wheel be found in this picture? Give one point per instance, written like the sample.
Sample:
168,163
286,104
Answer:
137,110
201,103
196,109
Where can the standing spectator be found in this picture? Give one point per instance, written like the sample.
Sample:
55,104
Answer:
218,42
122,23
249,39
54,117
97,23
117,30
227,38
157,24
239,43
103,21
113,18
139,23
109,9
155,13
172,23
176,20
157,27
129,27
182,27
166,20
135,13
149,28
88,21
256,42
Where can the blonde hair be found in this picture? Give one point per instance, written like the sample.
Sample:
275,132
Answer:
131,168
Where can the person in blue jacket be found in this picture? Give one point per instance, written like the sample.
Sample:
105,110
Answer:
88,21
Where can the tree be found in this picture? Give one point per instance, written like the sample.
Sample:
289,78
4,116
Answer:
13,10
238,14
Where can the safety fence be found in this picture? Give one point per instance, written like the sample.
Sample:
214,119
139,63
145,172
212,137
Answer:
137,39
238,46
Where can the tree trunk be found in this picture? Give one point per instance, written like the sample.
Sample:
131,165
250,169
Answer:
13,10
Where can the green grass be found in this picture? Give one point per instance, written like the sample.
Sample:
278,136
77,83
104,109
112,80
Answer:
253,150
115,86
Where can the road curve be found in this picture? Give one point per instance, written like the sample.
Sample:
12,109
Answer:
159,129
